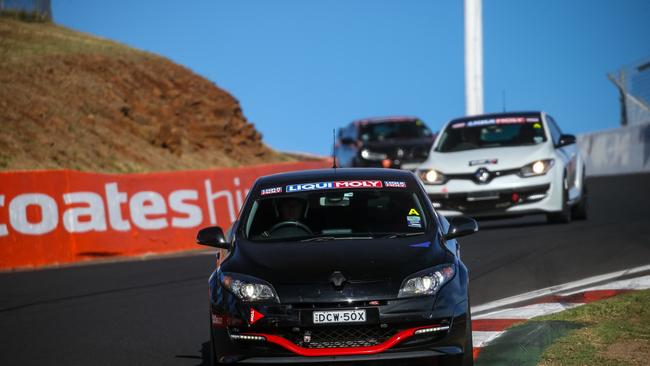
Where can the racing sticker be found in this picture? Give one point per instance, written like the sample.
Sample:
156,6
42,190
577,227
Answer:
414,212
394,184
346,184
497,121
509,120
414,221
271,191
483,162
458,125
481,122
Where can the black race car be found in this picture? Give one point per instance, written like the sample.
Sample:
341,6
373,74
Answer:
339,265
384,142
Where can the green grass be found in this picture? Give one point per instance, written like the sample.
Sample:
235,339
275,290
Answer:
615,331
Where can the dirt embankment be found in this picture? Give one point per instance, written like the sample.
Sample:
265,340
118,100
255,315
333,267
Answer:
70,100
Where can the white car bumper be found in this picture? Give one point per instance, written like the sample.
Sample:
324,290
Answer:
503,196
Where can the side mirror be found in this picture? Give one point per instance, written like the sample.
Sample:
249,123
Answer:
347,141
212,237
461,226
566,140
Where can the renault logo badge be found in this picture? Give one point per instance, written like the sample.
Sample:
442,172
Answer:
337,279
482,175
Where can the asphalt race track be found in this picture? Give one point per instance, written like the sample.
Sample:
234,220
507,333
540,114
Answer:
155,312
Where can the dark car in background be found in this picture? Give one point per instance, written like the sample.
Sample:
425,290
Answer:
340,265
388,142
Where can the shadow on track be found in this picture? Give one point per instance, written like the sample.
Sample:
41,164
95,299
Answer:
205,355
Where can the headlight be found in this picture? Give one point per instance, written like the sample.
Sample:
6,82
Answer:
431,176
539,167
427,282
248,288
369,155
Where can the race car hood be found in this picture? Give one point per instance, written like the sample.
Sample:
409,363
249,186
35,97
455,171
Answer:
500,158
302,271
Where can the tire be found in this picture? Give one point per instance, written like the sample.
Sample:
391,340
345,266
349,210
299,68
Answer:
467,359
563,216
213,354
579,211
468,356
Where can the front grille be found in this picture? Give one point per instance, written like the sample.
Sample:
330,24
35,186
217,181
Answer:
341,304
341,336
489,200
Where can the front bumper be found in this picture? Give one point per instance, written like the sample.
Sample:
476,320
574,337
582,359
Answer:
328,343
428,326
503,196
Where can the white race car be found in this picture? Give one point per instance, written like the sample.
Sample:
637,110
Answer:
506,164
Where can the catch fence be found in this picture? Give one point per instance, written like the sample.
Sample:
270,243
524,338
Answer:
34,10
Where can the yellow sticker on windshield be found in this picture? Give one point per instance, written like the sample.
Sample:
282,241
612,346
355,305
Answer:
414,212
537,125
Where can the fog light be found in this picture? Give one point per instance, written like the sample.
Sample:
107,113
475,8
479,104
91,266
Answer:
245,337
535,197
432,329
386,163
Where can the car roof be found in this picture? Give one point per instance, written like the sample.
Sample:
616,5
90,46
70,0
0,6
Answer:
318,175
497,115
372,120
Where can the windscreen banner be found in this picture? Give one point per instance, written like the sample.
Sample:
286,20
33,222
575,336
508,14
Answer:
64,216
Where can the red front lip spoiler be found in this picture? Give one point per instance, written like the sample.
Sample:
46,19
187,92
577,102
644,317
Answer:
341,351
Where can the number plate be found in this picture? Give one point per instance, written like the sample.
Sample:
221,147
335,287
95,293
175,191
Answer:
482,196
340,316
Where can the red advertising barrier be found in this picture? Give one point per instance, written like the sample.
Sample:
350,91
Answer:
64,216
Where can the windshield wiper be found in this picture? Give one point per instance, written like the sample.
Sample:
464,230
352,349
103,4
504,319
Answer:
319,238
327,238
399,235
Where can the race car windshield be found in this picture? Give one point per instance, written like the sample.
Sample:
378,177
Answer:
323,215
486,133
394,131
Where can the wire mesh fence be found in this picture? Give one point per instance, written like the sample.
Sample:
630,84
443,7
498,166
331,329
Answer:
633,83
34,10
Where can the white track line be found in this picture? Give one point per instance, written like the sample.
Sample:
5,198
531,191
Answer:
480,339
483,338
639,283
528,311
556,289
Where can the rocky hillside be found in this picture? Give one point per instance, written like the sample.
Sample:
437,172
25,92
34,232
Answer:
71,100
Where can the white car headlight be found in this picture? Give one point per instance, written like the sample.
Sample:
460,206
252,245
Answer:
430,176
248,288
539,167
369,155
427,282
